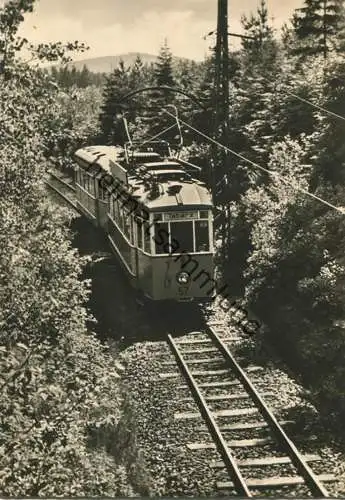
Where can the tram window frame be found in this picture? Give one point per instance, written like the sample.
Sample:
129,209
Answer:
103,191
113,210
111,205
158,226
197,233
92,185
81,178
118,215
77,172
147,237
127,224
183,247
204,216
139,223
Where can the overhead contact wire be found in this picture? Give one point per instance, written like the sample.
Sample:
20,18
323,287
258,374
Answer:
259,167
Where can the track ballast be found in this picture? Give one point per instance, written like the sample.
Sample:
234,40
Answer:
234,412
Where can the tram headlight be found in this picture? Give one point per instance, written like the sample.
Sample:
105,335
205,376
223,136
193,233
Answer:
182,278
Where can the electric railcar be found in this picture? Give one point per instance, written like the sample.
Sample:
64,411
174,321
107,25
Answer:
157,216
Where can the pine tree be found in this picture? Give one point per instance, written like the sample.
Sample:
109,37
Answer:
84,79
164,69
316,26
118,84
155,118
137,72
261,48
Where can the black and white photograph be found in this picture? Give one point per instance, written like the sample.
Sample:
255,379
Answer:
172,249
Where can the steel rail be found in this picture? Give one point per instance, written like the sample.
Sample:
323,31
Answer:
69,201
67,184
229,460
302,467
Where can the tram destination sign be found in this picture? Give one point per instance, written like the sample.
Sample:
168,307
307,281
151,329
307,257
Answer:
181,215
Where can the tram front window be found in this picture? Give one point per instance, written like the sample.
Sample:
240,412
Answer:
182,233
161,238
201,236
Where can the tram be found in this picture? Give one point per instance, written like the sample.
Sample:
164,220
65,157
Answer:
157,216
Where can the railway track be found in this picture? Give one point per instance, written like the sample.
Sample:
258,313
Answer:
257,455
62,186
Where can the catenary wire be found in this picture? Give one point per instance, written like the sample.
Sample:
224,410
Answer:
159,134
317,106
260,167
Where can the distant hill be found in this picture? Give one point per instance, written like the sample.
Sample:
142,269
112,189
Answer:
107,64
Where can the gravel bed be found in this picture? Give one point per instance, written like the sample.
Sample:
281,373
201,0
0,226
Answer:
289,404
170,467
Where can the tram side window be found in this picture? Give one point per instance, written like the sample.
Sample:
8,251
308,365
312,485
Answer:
77,175
103,193
182,232
111,206
201,236
114,210
161,238
127,224
85,181
147,237
91,189
139,225
81,178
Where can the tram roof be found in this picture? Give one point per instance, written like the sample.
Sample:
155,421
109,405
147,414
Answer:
156,165
171,194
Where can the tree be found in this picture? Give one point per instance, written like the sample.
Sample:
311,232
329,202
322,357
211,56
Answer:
84,78
163,67
59,390
118,84
329,149
261,48
11,15
316,26
154,117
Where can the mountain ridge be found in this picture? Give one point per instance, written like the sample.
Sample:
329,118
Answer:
106,64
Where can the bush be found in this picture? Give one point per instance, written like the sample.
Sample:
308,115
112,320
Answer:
57,381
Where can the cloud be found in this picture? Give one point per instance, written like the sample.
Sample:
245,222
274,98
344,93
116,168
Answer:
118,26
93,13
183,31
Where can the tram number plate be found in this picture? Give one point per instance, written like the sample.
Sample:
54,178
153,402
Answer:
182,290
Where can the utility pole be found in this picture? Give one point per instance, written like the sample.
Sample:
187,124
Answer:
221,97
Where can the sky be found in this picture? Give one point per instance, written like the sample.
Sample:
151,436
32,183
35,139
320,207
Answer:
112,27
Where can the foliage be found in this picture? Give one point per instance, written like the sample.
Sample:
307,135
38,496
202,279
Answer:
260,46
163,69
316,24
145,111
284,252
68,77
118,84
11,15
72,123
58,384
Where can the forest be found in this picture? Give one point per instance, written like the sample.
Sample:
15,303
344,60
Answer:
282,252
